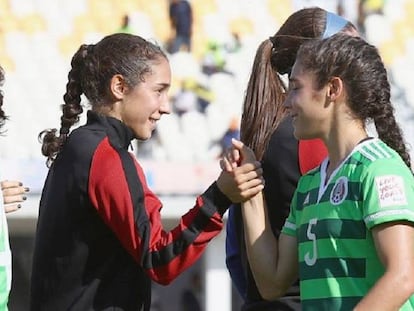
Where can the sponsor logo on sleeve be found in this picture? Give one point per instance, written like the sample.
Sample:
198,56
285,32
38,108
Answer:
391,190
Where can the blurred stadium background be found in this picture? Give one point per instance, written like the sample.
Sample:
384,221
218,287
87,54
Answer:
38,38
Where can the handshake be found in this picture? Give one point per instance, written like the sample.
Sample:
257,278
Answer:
241,177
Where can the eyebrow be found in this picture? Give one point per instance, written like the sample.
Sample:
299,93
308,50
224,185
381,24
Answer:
164,85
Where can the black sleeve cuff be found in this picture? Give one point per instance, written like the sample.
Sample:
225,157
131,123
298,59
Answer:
218,198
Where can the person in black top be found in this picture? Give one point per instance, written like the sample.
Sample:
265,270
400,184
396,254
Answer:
99,239
181,18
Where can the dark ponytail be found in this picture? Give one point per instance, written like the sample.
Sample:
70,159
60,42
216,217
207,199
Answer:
71,109
263,105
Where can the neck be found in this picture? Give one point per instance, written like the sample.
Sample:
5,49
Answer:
340,144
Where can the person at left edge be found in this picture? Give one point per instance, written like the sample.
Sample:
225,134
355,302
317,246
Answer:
12,194
99,239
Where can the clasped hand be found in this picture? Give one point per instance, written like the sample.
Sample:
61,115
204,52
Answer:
241,177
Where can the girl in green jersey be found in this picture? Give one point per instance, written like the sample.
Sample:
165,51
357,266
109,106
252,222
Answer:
12,194
350,233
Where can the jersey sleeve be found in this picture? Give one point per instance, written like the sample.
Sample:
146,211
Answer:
118,191
289,228
388,192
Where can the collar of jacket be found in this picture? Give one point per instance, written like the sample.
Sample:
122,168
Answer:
119,134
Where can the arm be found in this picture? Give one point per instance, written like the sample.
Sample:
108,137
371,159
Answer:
119,192
392,242
388,199
273,263
270,260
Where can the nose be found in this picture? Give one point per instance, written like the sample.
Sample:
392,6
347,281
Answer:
165,107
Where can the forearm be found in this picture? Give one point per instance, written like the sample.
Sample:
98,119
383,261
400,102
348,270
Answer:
261,246
396,285
384,296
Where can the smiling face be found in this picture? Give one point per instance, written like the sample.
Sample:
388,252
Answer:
142,106
308,106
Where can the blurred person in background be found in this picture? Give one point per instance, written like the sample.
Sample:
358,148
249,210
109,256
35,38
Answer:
367,8
233,131
99,240
267,128
181,20
126,25
12,194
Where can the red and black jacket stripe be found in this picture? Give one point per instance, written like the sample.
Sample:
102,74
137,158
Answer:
99,237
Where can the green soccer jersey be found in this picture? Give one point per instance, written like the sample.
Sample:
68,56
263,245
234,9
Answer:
332,221
5,259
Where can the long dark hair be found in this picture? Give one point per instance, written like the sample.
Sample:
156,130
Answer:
3,116
365,77
263,104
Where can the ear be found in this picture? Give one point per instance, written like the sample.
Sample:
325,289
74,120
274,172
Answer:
118,87
335,88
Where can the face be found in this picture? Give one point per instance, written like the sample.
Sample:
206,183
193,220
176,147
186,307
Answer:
308,106
143,106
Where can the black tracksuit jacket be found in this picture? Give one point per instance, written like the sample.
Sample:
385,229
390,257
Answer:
99,239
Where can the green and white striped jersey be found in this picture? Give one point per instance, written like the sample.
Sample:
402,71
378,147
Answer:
5,258
331,220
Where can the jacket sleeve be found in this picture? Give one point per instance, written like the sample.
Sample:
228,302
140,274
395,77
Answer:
311,154
118,190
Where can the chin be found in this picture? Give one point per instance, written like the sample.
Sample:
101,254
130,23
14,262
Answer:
143,136
298,134
302,135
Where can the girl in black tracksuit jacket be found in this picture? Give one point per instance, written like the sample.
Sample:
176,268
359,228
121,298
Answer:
99,239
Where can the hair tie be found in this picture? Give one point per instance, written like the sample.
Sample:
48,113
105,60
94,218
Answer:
334,24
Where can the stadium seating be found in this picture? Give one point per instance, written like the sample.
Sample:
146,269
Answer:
39,37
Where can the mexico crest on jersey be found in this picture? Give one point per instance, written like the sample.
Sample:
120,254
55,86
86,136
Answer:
339,191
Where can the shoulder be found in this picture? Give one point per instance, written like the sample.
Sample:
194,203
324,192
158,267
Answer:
83,142
375,157
379,169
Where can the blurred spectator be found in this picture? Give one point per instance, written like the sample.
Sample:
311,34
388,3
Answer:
185,100
349,10
214,58
232,132
204,96
366,8
192,96
125,25
181,19
235,44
